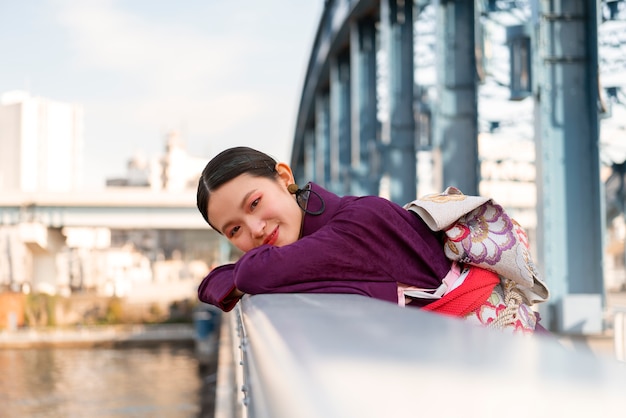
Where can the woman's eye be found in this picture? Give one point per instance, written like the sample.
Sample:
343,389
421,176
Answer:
233,231
254,203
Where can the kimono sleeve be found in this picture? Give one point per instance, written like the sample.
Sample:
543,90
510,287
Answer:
216,286
370,242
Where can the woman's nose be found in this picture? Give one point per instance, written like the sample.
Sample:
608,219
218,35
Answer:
257,228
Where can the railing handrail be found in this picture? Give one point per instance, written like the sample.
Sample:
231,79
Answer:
326,355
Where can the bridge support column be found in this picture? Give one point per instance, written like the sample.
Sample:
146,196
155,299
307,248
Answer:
322,139
396,18
569,198
364,118
340,124
456,130
308,171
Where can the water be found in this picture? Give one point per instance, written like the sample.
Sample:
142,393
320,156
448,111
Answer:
162,381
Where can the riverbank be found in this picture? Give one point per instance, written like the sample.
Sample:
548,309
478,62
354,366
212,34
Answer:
135,335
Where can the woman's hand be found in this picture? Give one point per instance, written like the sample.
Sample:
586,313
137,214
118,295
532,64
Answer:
234,294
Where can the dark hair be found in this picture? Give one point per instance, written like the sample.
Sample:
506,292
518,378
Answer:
227,165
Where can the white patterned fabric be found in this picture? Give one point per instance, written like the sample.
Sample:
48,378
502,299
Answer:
504,311
479,232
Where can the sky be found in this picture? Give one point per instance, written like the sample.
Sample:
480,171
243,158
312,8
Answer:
221,72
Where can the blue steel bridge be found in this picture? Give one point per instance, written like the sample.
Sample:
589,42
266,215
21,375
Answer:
364,114
387,80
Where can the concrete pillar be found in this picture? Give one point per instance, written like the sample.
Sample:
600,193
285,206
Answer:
569,209
396,20
455,125
364,118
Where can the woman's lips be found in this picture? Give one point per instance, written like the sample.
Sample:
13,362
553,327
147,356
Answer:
271,238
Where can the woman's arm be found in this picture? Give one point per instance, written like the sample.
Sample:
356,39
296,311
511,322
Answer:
218,288
368,243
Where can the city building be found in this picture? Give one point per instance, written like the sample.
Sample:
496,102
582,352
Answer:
173,171
160,261
42,144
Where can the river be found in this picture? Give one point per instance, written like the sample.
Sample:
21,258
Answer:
160,381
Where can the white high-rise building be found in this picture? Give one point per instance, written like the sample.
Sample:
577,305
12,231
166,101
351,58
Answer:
41,144
173,171
179,170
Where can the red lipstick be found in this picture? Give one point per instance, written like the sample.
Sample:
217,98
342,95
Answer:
271,238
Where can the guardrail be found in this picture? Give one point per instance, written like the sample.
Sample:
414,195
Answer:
312,356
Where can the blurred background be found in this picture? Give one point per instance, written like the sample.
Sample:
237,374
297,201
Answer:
110,109
218,73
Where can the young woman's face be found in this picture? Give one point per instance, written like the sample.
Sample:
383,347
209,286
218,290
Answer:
251,211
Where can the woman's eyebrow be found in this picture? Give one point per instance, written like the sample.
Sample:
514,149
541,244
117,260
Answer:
246,197
243,204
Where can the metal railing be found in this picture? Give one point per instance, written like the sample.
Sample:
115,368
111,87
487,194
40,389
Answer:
326,356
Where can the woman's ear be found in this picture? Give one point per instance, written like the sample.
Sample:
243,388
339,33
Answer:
285,175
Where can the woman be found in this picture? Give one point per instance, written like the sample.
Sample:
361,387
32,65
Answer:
312,241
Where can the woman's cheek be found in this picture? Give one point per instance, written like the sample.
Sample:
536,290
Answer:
241,245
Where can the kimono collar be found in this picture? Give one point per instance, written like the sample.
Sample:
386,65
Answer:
312,223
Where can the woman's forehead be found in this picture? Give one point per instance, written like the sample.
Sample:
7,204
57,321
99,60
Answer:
233,192
244,181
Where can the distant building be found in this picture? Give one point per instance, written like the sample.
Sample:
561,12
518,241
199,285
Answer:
41,155
42,144
138,170
174,171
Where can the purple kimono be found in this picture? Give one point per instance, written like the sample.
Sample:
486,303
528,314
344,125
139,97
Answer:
361,245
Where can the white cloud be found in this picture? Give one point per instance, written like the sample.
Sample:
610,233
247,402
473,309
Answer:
159,54
229,72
